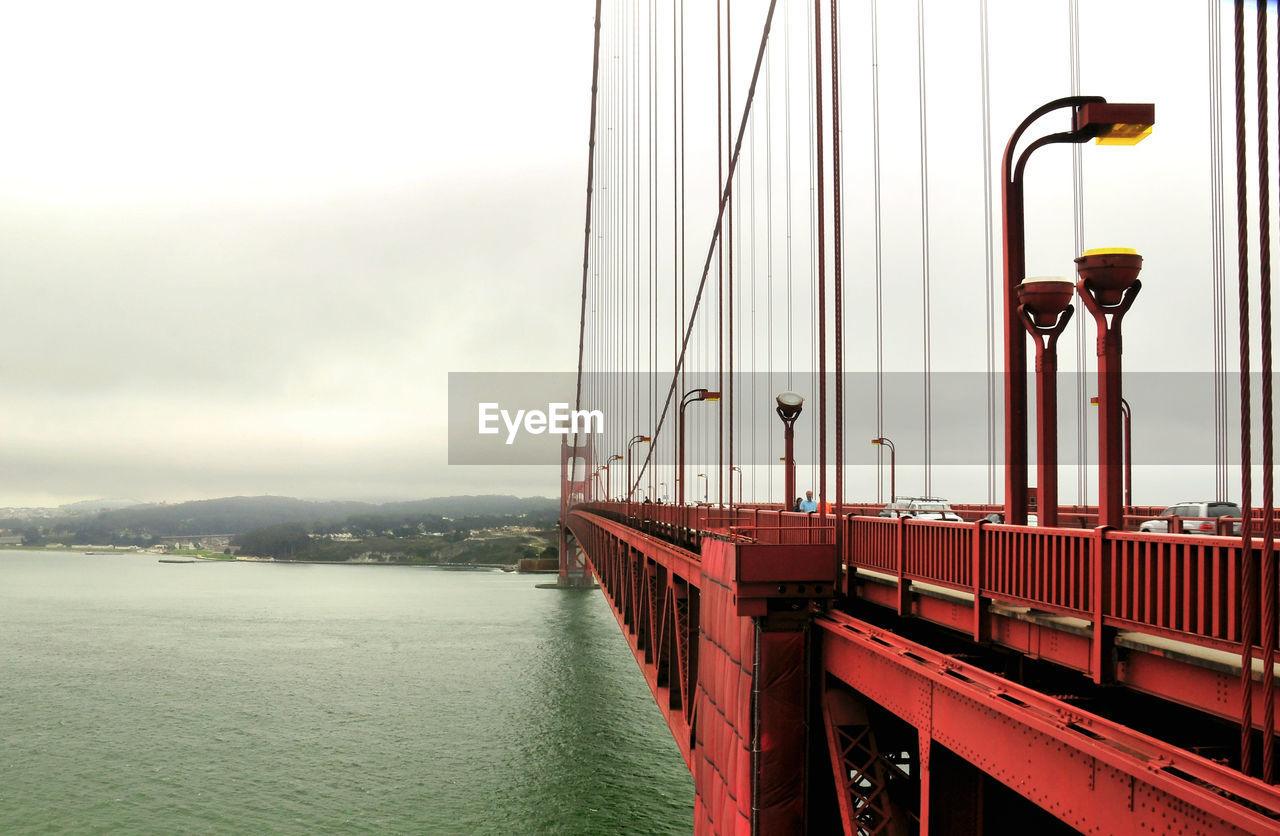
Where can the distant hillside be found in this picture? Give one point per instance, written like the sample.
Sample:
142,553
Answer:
92,506
241,514
238,514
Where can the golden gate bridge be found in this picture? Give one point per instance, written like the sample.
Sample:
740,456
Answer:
750,251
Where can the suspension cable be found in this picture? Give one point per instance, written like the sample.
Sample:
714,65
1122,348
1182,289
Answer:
586,235
989,252
1248,584
1077,206
1268,586
716,230
838,267
879,257
1218,246
924,249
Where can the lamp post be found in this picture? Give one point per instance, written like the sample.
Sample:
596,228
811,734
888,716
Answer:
789,406
1092,118
608,492
1127,412
705,482
893,466
1045,311
1108,285
596,475
662,491
738,470
692,396
635,439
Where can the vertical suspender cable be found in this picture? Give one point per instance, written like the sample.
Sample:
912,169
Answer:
654,311
879,259
786,99
1248,584
989,253
720,253
586,235
1268,586
1077,217
1218,246
715,234
838,277
822,258
731,405
924,251
813,232
768,232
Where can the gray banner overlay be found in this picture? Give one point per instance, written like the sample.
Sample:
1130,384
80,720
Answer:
521,418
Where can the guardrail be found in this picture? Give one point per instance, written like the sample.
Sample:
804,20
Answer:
1183,586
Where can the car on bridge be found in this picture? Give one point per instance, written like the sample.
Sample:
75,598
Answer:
921,508
1197,517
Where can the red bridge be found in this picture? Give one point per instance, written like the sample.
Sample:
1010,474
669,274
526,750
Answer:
1020,665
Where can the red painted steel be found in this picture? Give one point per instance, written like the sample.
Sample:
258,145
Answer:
1168,585
1093,774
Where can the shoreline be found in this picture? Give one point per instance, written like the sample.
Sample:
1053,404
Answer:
173,557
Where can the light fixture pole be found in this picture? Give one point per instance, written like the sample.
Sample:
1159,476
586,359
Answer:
635,439
1108,285
608,476
705,482
789,406
1092,118
692,396
739,472
893,466
1127,412
1045,311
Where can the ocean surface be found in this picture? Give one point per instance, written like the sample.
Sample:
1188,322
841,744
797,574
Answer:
221,697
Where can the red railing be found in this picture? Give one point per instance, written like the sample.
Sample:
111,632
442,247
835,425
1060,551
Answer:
1182,586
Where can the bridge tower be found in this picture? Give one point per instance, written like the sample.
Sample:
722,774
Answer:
575,462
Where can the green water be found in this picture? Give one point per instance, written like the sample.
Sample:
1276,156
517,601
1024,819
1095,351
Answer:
220,697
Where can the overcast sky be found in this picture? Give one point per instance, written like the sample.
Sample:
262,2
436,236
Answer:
246,242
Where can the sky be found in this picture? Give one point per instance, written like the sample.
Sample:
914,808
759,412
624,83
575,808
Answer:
244,244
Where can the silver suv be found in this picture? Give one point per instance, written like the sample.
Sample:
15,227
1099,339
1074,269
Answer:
1197,517
920,508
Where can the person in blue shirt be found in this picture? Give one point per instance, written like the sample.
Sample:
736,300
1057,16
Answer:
808,506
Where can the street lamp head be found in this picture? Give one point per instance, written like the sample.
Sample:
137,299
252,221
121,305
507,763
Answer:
789,405
1046,297
1108,272
1115,123
710,396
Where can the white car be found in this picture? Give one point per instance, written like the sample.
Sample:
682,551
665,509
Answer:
921,508
1197,517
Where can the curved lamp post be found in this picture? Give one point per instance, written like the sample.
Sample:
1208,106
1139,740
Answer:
705,483
692,396
608,492
789,406
635,439
1108,285
738,470
1127,412
893,466
1093,117
596,475
1045,311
